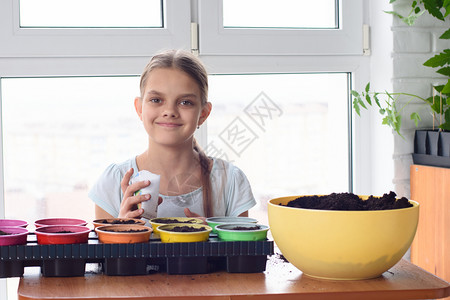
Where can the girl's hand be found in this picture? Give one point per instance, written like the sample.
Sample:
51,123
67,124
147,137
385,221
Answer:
130,201
190,214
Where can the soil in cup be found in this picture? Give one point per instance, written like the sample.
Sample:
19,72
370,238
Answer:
256,227
121,230
5,233
117,222
186,229
171,221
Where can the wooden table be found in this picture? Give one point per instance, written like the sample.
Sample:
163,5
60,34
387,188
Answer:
280,281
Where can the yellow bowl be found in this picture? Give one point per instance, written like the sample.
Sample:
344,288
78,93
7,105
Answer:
168,236
156,222
342,245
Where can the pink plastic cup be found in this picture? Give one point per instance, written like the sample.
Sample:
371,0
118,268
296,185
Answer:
59,221
13,223
10,236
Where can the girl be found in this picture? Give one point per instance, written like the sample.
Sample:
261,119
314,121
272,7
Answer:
172,105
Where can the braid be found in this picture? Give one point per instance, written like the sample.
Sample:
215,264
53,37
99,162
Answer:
206,181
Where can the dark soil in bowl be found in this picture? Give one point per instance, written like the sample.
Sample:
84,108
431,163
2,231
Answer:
128,230
186,229
350,201
256,227
5,233
64,231
172,221
117,222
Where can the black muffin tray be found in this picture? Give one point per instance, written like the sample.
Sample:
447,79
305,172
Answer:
136,259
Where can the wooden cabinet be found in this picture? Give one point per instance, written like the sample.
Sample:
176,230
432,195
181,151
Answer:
430,186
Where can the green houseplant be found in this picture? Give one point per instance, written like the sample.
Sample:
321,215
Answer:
388,103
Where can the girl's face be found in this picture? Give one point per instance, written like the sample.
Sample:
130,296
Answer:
171,107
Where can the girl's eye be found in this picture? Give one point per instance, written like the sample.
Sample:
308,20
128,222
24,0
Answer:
155,100
186,102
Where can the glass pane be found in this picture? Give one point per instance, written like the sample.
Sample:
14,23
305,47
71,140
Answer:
91,13
59,134
280,13
287,132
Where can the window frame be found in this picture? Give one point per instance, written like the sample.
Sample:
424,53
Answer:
217,40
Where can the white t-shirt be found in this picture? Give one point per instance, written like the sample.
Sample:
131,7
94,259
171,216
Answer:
231,192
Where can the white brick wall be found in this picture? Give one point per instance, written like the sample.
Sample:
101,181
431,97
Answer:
413,45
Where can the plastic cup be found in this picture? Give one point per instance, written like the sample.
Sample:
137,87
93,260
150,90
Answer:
150,206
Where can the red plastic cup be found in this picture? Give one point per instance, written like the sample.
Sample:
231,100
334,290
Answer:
62,234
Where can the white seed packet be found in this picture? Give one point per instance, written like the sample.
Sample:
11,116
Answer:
150,206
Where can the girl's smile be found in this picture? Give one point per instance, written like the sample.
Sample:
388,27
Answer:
168,125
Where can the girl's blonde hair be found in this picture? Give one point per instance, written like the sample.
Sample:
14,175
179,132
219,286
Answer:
191,65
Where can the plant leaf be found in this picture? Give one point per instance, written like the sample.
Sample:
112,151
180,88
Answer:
354,93
446,6
446,34
446,124
444,71
367,87
394,13
356,106
436,107
446,88
440,89
368,99
375,97
361,103
415,116
409,20
429,100
439,60
433,8
397,124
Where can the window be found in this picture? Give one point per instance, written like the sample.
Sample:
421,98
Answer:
58,135
28,36
289,139
85,13
54,148
280,14
100,67
223,29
